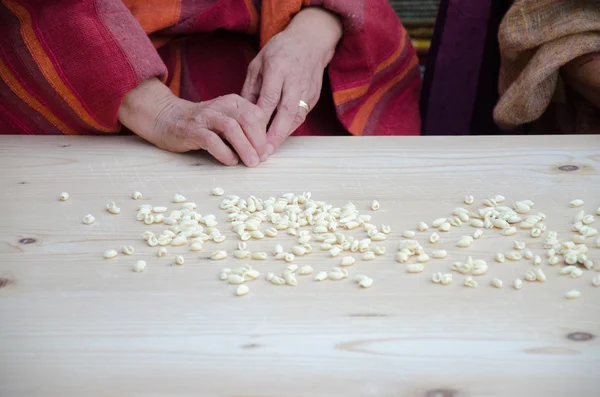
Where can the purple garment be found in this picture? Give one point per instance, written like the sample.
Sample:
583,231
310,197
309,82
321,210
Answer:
460,87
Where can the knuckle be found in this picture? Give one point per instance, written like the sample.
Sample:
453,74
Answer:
299,118
270,97
208,139
281,134
254,67
229,98
273,63
222,102
195,131
186,136
286,107
250,117
201,140
230,126
236,101
258,112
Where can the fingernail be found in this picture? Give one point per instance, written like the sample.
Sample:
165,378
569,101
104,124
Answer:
264,157
270,149
235,162
253,161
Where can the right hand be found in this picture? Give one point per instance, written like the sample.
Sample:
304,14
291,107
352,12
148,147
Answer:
155,114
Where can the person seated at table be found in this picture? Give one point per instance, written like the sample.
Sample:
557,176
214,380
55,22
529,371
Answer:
232,77
550,73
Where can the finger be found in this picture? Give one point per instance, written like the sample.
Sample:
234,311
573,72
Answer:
251,88
288,111
213,144
298,120
234,134
302,113
250,117
270,92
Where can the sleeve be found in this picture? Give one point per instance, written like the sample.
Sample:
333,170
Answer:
65,66
535,44
374,74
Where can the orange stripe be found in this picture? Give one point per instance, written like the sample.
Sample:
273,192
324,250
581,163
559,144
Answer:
45,65
12,82
347,95
159,41
155,15
343,96
253,28
362,116
395,55
175,84
275,16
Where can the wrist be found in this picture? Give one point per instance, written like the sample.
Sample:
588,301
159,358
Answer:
140,107
322,27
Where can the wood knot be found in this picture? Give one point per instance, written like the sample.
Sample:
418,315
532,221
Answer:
580,336
251,346
27,240
568,168
65,145
4,282
22,183
442,393
368,315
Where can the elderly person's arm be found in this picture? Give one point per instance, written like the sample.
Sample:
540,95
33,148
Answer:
66,65
372,66
373,71
89,67
171,123
290,69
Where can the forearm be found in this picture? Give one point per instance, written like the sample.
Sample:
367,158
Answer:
78,85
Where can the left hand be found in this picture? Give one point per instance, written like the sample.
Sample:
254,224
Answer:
289,69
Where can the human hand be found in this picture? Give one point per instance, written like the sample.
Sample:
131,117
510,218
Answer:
289,69
154,113
583,75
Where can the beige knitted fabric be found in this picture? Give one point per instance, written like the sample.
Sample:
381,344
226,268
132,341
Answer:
537,38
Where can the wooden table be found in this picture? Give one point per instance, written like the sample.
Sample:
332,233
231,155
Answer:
75,324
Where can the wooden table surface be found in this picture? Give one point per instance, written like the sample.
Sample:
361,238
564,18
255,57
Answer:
75,324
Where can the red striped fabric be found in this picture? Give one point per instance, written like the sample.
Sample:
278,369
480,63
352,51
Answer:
67,65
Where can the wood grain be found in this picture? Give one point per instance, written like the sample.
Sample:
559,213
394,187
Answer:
74,324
